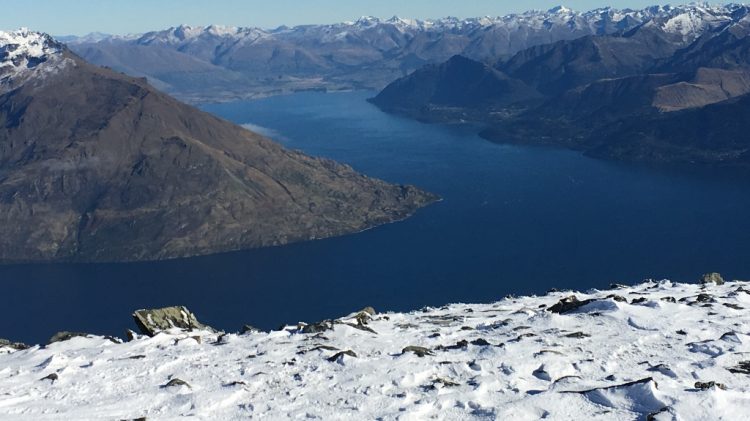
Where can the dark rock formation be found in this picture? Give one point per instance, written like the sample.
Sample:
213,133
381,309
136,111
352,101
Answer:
417,350
176,382
568,304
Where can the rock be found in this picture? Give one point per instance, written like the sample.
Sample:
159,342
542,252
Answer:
340,354
734,306
638,300
130,335
709,385
318,327
617,286
577,335
669,299
176,382
66,336
480,342
568,304
246,329
618,298
712,278
743,367
681,332
151,322
18,346
462,344
704,298
417,350
235,383
52,377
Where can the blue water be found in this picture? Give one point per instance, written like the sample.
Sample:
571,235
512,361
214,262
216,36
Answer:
513,220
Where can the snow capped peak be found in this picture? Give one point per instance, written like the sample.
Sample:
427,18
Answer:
366,21
23,49
560,10
23,54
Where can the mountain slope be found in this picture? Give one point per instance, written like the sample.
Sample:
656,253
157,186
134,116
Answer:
459,82
99,166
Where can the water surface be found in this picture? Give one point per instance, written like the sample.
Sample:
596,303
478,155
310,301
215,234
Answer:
514,220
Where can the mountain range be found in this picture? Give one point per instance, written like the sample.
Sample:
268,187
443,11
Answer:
99,166
218,62
672,89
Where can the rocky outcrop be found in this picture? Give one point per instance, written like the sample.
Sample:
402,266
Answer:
568,304
17,346
151,322
712,278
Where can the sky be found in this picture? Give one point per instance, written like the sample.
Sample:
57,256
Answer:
79,17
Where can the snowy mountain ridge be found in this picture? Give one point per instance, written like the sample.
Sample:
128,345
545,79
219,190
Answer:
687,20
657,350
23,54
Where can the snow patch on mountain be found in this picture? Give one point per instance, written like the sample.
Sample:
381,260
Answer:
658,350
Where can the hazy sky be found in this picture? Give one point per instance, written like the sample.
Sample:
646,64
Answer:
77,17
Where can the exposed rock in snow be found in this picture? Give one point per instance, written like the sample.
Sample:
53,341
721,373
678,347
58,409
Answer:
666,352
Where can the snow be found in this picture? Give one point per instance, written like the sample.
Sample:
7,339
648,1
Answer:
25,54
609,359
19,48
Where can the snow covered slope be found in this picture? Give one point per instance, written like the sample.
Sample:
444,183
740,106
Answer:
630,353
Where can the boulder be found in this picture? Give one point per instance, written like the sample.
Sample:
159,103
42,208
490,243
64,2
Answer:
709,385
417,350
176,382
568,304
151,322
712,278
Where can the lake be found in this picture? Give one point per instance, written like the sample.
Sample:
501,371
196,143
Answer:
513,220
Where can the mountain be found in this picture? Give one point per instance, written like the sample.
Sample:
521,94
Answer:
459,83
653,93
657,350
218,62
99,166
